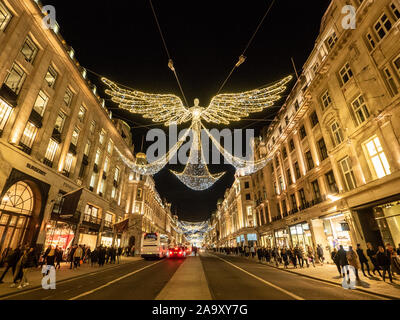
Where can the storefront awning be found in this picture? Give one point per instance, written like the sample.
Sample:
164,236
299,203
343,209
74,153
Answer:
121,226
377,202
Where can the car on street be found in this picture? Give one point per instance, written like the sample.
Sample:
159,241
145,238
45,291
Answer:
176,253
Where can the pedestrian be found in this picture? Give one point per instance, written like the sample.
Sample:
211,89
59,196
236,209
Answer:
335,259
94,257
384,262
119,254
395,259
310,255
59,257
260,254
101,256
299,255
320,254
353,260
11,260
49,256
363,260
78,253
285,258
371,253
344,264
253,252
71,255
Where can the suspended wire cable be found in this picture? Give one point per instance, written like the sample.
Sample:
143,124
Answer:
242,57
170,61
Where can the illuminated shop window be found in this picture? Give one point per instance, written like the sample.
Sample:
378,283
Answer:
377,157
51,152
28,137
69,159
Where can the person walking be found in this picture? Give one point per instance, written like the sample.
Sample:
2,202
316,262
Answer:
49,256
59,257
335,259
28,261
285,258
78,256
353,260
320,254
344,264
384,262
363,260
119,254
310,256
371,253
71,255
299,252
253,252
102,256
11,260
260,254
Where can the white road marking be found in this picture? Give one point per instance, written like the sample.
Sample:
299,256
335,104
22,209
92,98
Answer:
114,281
264,281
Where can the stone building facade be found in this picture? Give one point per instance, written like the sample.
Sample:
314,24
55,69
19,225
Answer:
58,138
334,176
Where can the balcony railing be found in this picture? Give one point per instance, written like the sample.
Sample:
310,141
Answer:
91,219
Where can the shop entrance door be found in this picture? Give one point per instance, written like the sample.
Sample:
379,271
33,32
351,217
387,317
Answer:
15,214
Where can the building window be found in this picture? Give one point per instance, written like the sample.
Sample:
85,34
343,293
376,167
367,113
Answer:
75,137
5,17
97,158
396,64
303,133
316,190
81,114
277,162
92,127
102,187
86,152
310,161
390,81
106,164
326,100
323,151
91,212
284,153
360,110
29,50
289,177
68,97
5,112
28,137
41,103
281,185
395,10
92,181
371,41
337,134
345,74
383,26
139,194
302,198
246,185
314,119
59,126
331,181
51,77
291,145
296,106
331,40
69,159
113,192
102,137
15,79
110,147
348,174
116,174
377,157
284,207
297,170
248,196
50,153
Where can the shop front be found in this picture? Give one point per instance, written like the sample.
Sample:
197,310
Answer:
337,231
252,239
282,238
88,238
301,235
59,234
388,219
267,239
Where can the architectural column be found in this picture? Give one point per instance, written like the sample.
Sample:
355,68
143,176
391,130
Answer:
312,143
300,155
336,173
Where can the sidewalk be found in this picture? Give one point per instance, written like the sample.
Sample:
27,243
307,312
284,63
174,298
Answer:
329,273
35,277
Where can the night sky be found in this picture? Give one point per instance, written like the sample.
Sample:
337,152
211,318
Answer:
120,40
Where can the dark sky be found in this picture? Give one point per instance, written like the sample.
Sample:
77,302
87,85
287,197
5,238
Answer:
120,40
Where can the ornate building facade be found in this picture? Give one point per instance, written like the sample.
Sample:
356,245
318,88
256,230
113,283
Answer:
334,174
58,145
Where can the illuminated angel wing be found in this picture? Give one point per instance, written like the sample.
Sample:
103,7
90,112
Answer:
161,108
225,108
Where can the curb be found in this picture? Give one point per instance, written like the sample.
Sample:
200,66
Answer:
64,280
332,282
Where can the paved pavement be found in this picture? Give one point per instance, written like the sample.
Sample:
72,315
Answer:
210,276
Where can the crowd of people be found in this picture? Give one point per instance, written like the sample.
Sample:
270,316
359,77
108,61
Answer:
23,259
385,260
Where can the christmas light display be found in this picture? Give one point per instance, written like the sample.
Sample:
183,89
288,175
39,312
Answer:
194,232
169,109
